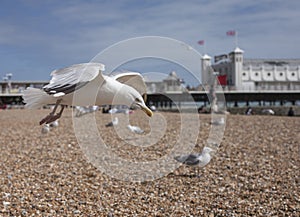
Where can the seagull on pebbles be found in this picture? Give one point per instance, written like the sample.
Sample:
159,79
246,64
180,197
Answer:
47,127
196,160
85,80
135,129
217,122
114,122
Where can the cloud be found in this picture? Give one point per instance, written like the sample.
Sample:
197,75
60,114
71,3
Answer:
52,34
188,21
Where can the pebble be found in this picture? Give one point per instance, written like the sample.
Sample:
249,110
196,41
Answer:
255,171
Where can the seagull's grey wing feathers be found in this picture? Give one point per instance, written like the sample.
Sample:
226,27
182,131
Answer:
191,159
69,79
110,124
133,79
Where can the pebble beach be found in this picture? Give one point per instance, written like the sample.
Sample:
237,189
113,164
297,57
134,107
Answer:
255,171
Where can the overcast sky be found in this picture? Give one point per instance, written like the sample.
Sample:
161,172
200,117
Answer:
38,36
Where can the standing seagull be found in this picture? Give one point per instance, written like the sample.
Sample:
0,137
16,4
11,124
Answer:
135,129
86,83
220,121
199,160
114,122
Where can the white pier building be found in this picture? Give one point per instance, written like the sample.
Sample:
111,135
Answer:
238,73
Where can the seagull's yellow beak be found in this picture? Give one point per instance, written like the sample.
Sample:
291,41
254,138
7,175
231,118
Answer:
145,109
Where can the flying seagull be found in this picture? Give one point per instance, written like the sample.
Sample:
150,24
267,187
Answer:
200,159
85,80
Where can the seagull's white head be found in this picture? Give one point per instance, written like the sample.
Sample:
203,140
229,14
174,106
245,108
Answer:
138,102
132,98
207,150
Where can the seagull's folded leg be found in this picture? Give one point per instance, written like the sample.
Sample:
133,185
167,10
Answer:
57,116
52,116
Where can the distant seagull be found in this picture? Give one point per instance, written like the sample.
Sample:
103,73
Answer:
135,129
268,112
114,122
199,160
153,108
220,121
54,124
85,79
79,111
45,129
82,110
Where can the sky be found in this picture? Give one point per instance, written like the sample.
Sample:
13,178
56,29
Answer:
37,36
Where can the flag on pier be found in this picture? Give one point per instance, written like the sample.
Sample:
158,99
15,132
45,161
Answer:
201,42
233,33
230,33
222,80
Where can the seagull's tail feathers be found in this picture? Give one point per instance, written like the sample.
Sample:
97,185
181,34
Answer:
35,98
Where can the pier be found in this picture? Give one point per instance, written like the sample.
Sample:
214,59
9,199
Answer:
232,98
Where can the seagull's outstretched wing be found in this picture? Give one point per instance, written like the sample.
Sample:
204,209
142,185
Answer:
133,79
69,79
